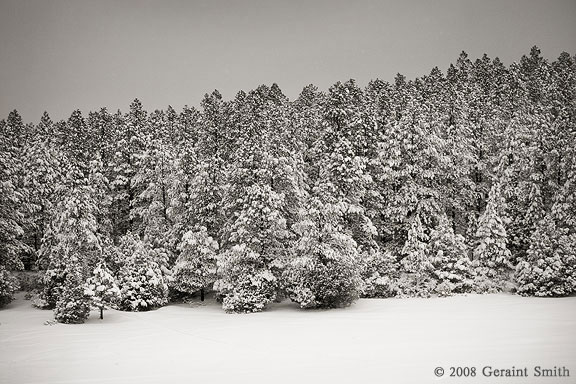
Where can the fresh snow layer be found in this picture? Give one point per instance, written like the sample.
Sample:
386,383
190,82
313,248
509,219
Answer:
373,341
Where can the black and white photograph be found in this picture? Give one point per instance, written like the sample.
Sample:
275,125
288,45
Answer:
287,191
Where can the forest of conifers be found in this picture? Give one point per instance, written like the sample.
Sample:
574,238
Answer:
454,182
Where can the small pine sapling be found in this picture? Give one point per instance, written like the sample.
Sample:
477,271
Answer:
101,289
73,306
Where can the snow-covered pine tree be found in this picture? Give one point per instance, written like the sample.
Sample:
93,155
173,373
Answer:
73,238
11,207
101,288
492,258
324,272
257,234
131,130
72,305
14,205
246,282
350,139
261,193
549,268
195,268
198,181
409,172
416,267
140,278
448,255
8,285
45,173
152,205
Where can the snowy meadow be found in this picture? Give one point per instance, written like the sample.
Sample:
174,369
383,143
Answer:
373,341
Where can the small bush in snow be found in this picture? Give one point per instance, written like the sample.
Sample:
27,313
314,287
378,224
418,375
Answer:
323,280
379,273
8,285
72,306
245,284
325,272
141,281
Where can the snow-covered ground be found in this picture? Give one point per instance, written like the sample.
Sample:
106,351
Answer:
373,341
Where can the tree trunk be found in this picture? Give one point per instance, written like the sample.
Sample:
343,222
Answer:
201,294
101,313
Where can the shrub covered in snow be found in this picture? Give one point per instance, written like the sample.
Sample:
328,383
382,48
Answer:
324,273
8,285
141,281
245,283
379,272
322,280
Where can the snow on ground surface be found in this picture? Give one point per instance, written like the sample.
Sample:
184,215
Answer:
373,341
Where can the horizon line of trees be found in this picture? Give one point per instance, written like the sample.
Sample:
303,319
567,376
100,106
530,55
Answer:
450,183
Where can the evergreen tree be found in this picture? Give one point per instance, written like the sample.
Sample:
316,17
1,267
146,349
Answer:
261,193
72,305
73,239
549,268
448,255
492,258
246,284
46,174
195,268
416,265
140,278
379,274
8,285
101,288
324,272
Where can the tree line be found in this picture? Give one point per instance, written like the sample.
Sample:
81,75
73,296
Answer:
453,182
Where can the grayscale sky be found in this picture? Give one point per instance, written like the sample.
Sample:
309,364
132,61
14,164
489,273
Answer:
61,55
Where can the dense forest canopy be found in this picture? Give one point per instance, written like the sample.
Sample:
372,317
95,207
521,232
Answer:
457,181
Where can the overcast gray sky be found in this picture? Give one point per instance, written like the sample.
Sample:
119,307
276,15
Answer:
59,55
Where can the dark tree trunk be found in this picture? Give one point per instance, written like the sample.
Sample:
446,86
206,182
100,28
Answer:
201,294
101,313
